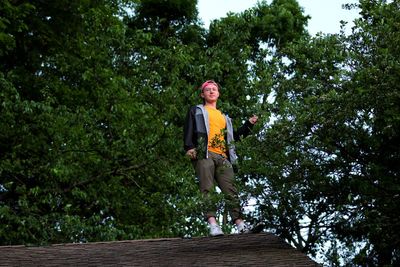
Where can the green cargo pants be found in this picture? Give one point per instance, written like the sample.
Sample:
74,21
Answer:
217,168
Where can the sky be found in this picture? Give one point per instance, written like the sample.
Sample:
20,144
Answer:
325,14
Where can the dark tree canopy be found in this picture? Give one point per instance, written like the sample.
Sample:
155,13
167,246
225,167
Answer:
93,96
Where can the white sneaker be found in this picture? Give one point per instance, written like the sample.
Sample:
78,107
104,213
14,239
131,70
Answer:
245,229
242,228
215,230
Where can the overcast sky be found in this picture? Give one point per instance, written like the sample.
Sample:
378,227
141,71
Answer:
325,14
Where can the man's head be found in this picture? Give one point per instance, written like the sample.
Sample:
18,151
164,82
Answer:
209,91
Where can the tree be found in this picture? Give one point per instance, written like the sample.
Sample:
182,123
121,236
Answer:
374,63
91,119
55,74
327,167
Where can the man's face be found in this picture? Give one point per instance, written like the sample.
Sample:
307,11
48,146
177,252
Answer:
210,93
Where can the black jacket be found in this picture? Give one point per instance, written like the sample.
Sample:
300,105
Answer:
196,131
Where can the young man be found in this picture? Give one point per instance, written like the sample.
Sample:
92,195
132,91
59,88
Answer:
208,137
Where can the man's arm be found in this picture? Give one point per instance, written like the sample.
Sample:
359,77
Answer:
245,129
188,131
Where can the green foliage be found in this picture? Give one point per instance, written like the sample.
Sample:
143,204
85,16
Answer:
281,22
327,166
93,96
169,10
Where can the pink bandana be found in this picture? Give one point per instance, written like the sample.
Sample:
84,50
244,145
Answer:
207,83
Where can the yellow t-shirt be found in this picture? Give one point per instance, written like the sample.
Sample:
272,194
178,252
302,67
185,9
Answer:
216,136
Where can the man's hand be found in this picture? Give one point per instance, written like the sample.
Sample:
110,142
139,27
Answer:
253,119
191,153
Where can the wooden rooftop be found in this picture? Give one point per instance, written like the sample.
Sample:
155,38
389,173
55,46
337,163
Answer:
230,250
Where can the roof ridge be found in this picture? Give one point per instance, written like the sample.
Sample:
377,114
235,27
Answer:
263,249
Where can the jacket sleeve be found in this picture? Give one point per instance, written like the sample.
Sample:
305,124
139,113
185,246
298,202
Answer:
243,131
188,130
